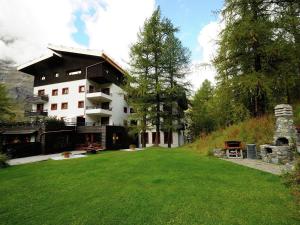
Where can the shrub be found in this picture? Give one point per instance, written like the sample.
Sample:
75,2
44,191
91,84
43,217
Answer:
3,160
53,123
292,180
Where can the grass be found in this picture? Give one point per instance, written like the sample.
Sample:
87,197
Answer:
156,186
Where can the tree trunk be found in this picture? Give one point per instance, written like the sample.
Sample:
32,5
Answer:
157,101
157,121
257,63
170,133
144,132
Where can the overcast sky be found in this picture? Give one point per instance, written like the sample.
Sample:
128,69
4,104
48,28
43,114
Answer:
28,26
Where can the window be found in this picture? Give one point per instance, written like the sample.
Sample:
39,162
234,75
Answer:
81,89
166,134
74,72
154,136
91,89
64,105
54,92
125,109
105,91
65,91
81,104
146,137
105,105
43,78
104,120
131,110
40,107
41,92
54,106
57,75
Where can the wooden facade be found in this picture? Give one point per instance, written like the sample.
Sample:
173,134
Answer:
97,69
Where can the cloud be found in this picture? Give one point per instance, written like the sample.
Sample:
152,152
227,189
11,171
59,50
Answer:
27,27
207,44
114,25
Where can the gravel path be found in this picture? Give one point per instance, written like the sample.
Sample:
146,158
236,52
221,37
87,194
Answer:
258,164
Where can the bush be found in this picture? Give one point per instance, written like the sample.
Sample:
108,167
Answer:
3,160
53,123
292,180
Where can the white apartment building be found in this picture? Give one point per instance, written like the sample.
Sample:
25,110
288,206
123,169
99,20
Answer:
83,87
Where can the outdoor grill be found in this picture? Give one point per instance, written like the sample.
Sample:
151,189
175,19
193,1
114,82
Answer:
281,150
233,149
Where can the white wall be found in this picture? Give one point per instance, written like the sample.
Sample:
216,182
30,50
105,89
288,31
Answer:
72,98
117,104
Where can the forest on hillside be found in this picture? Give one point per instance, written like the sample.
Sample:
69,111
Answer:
258,64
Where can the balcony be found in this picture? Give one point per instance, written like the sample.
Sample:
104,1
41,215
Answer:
103,73
99,94
37,99
98,110
36,113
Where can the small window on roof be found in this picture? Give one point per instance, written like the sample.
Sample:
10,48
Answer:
74,72
43,78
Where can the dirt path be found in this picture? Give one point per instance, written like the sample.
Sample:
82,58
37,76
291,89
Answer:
258,164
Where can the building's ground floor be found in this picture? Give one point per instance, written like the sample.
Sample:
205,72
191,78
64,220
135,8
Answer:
177,138
41,138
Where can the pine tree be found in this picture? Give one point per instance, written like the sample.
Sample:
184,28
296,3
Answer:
176,62
243,58
157,64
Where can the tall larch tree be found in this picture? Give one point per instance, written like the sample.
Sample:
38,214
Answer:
176,63
157,64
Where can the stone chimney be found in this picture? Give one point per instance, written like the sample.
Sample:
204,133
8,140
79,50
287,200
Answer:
285,132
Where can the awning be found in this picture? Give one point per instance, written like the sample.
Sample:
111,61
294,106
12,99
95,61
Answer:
19,132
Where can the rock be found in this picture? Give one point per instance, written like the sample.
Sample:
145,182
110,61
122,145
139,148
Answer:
19,85
218,152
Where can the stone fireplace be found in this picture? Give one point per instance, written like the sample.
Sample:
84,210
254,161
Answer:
284,140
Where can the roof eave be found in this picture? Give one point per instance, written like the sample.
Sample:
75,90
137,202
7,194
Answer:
42,58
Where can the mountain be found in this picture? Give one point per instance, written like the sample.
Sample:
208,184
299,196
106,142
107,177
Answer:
19,85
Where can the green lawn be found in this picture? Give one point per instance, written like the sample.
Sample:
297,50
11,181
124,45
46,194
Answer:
156,186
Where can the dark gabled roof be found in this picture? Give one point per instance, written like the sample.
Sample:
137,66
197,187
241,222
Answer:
56,51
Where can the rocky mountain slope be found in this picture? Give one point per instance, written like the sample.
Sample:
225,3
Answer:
19,85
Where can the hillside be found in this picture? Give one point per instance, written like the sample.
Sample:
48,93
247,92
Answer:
253,131
18,84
